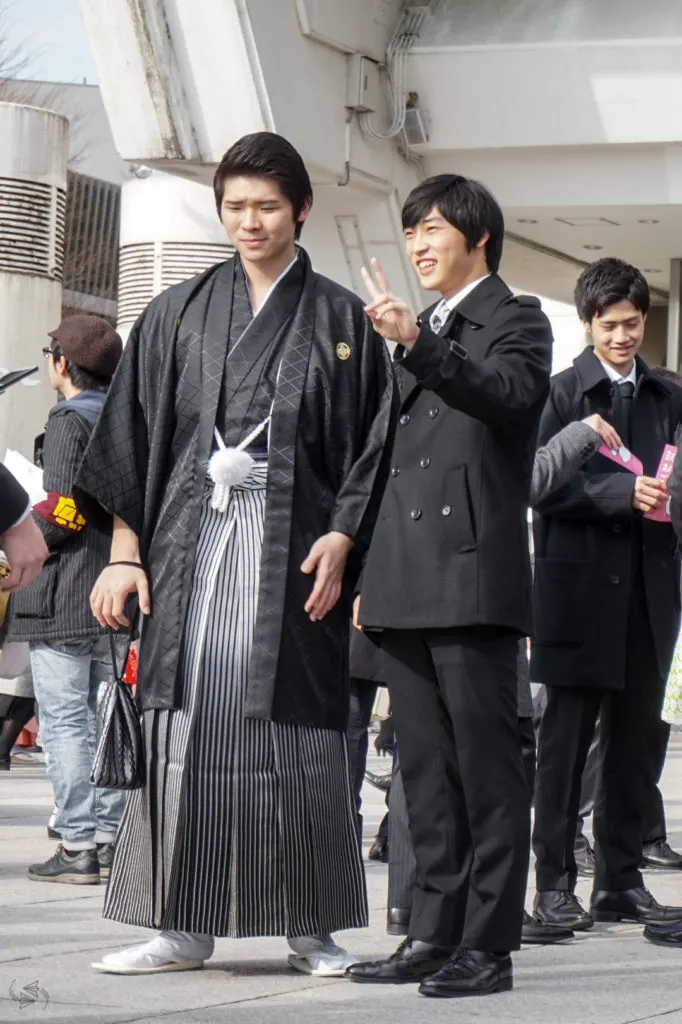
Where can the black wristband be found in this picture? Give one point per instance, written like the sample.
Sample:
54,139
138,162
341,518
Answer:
134,565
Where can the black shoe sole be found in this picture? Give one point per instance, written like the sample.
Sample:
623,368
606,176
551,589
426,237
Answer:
573,926
385,981
648,865
664,943
614,917
67,879
548,940
503,985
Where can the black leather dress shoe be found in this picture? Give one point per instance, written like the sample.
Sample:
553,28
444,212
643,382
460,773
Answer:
535,933
664,934
660,855
379,850
398,920
563,908
584,858
470,972
380,780
412,961
632,905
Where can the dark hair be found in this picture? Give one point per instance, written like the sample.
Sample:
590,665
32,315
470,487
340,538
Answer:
467,205
667,374
607,282
80,378
266,155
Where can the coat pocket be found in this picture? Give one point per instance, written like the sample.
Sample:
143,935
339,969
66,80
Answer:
457,511
561,600
38,600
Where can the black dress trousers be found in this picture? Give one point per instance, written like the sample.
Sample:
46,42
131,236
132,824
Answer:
454,703
629,729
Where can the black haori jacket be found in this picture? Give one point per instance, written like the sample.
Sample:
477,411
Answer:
331,432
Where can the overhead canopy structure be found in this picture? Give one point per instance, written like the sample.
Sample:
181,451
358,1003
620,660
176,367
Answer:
570,110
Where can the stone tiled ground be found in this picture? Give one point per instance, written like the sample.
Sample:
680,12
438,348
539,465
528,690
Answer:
50,934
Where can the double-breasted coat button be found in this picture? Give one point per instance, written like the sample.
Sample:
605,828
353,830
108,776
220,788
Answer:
617,528
416,513
446,510
425,462
434,412
615,580
395,470
404,419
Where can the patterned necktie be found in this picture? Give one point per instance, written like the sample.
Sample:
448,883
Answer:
437,321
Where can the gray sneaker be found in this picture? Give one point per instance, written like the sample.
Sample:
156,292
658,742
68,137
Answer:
105,856
78,868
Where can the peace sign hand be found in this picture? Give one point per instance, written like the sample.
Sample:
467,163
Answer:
391,316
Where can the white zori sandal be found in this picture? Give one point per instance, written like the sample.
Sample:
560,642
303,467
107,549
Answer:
169,951
320,957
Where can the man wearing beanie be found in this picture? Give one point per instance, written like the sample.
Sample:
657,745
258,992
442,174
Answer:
70,653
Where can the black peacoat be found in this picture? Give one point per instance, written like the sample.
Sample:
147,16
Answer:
589,539
450,547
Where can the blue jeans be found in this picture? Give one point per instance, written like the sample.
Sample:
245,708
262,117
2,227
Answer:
67,677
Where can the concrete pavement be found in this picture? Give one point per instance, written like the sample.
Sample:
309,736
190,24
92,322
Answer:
49,934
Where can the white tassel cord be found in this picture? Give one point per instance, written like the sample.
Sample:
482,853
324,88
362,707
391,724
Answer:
230,467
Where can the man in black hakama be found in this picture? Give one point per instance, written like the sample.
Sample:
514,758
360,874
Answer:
244,575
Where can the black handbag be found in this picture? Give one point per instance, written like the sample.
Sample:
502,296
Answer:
119,759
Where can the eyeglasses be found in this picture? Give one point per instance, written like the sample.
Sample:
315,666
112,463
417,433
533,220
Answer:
47,351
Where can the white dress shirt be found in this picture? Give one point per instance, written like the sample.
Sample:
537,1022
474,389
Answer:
446,306
618,378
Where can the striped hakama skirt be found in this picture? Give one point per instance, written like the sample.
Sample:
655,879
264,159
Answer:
245,827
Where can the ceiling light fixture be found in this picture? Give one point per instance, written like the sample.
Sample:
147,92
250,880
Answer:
648,220
652,270
527,220
587,222
595,247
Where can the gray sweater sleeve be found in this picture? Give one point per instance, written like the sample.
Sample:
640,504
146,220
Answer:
561,457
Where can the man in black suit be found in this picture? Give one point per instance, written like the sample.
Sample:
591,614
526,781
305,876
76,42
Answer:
20,539
606,611
447,583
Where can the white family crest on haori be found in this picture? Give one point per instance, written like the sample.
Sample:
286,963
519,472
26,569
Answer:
230,467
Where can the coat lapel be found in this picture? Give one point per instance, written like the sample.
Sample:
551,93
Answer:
476,308
216,313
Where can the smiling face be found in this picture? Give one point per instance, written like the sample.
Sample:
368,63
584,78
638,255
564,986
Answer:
439,254
259,220
618,335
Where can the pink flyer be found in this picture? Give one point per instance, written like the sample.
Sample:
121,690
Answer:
662,514
623,457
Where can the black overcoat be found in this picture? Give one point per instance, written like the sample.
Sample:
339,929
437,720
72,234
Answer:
588,537
332,426
450,547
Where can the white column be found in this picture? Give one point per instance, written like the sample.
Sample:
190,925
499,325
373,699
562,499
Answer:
33,158
673,352
170,231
